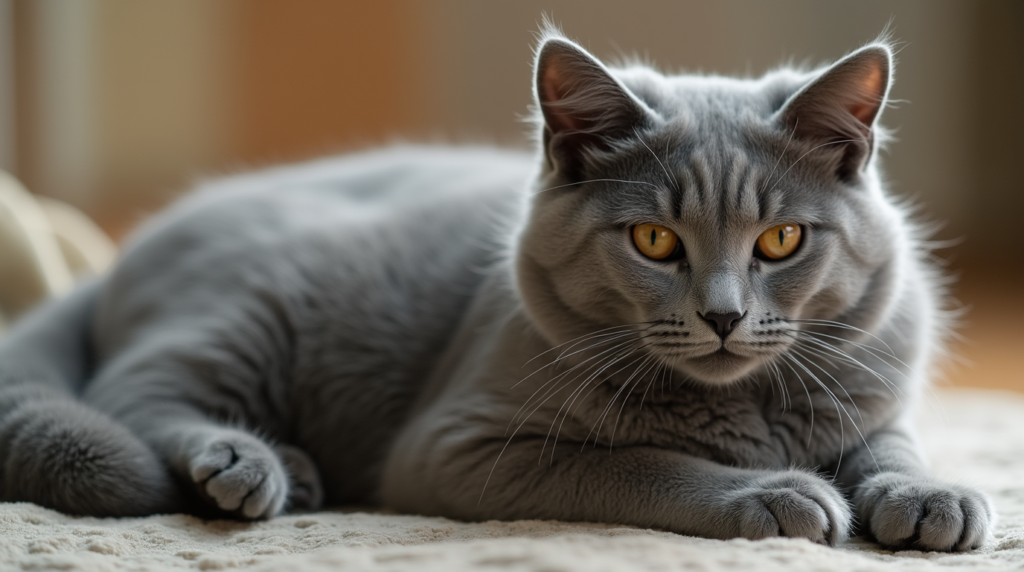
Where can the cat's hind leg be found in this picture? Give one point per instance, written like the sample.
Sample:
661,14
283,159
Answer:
178,402
61,454
54,450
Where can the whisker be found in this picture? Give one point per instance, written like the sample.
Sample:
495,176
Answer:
779,160
810,402
830,376
871,349
594,181
554,379
611,337
596,385
846,357
790,360
784,391
601,358
671,373
671,181
930,395
510,439
840,325
661,372
853,361
801,158
807,392
579,391
617,336
892,387
656,364
840,404
584,336
607,409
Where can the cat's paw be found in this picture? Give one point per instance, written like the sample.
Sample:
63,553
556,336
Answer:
241,475
902,511
793,504
305,492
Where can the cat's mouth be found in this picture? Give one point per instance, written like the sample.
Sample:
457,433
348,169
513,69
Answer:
717,362
719,366
721,354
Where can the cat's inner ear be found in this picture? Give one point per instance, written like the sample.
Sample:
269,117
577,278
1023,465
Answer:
584,106
839,108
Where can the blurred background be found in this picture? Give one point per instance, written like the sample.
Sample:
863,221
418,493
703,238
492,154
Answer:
115,106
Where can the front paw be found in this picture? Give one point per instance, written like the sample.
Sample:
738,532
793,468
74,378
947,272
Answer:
793,504
902,511
240,475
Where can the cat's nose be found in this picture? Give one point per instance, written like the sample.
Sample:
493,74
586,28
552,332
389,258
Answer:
723,324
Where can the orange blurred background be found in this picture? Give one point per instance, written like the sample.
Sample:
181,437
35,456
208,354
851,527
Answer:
116,105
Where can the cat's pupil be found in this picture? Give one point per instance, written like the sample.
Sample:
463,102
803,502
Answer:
782,237
654,237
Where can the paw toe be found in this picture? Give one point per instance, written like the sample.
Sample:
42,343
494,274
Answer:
796,505
907,512
241,477
942,523
978,519
214,459
894,521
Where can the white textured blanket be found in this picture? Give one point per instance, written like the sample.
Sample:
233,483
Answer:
974,437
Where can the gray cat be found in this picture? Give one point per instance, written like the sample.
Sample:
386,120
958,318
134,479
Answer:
694,308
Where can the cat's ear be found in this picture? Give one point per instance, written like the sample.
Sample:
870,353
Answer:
840,107
584,107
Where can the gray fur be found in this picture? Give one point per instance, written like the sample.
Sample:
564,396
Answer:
472,333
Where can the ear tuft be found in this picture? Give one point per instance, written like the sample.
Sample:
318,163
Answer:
869,93
577,93
584,107
842,105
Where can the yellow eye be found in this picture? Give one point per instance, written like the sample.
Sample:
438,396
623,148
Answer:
780,241
655,241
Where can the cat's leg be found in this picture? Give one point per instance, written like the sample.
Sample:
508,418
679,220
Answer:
169,403
231,468
898,504
54,450
241,474
446,473
59,453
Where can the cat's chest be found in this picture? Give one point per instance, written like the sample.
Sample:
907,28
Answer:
740,427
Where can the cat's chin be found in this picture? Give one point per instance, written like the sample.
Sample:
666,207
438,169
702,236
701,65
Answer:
718,368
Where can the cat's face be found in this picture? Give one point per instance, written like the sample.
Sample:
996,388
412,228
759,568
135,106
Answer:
661,202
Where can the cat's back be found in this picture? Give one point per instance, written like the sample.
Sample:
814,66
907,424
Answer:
380,211
391,183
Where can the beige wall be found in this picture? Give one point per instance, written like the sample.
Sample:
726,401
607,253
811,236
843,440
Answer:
120,101
160,78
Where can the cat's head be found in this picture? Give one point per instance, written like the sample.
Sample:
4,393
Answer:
703,217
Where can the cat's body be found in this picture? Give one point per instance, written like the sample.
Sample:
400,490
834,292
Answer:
485,334
310,244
